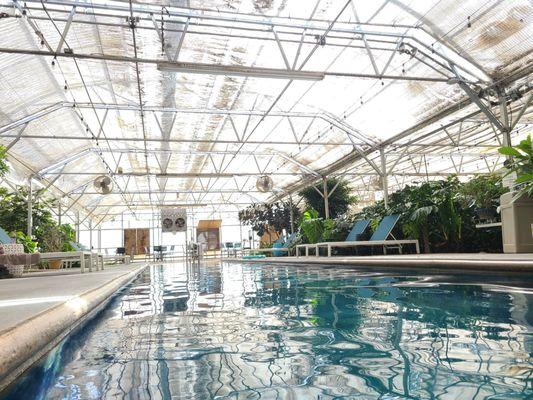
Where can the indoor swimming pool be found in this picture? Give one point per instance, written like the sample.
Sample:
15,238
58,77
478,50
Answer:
260,331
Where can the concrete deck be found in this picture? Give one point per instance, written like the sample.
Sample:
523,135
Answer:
37,311
477,262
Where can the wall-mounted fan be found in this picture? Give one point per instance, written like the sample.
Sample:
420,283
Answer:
264,183
103,184
174,220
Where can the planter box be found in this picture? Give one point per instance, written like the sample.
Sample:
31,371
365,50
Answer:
517,223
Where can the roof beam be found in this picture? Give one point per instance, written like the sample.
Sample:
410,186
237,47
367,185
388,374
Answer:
215,69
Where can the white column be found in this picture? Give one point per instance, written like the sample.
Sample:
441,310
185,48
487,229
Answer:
30,208
326,196
90,234
384,177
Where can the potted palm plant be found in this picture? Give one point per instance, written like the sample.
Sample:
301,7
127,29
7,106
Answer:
483,193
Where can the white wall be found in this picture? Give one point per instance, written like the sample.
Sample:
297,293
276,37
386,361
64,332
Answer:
112,236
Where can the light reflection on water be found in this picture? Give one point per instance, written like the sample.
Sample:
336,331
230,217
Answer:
276,332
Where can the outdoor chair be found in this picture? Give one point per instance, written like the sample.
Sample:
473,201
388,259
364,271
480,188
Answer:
279,247
4,237
379,238
147,254
358,229
228,248
237,248
120,255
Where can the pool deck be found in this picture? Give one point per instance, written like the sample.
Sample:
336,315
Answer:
453,262
39,309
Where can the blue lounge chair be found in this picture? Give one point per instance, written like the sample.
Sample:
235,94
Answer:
280,246
78,247
4,237
358,229
380,237
279,250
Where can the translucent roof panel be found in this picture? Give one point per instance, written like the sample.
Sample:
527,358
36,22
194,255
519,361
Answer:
189,102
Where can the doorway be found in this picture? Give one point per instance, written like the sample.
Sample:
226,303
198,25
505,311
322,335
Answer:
136,241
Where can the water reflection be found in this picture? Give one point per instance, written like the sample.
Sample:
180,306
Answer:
274,332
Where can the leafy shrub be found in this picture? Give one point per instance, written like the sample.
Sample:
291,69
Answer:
483,191
439,216
276,216
14,218
340,197
312,226
29,245
521,164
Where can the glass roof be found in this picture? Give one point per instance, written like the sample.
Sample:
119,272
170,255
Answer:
189,102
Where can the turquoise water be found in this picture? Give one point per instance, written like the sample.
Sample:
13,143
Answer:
235,331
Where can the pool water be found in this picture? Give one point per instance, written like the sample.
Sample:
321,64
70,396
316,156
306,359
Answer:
249,331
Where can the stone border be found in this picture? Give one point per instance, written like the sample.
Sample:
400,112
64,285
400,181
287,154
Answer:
26,343
438,265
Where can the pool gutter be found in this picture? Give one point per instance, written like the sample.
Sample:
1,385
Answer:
440,264
24,344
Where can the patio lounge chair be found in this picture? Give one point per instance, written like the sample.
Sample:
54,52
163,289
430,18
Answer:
379,238
69,257
120,255
279,247
14,257
4,237
358,229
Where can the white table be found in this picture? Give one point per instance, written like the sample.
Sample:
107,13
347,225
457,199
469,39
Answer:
126,259
76,256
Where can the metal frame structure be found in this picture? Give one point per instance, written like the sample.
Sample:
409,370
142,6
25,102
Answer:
203,166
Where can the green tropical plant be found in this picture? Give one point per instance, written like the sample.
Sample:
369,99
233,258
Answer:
14,214
340,197
68,235
312,226
437,214
483,191
14,217
4,166
30,246
276,216
521,163
52,240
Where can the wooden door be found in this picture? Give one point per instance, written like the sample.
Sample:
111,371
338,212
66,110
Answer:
130,240
136,240
143,240
210,237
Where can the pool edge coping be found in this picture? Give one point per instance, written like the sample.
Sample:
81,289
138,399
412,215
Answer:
438,265
22,345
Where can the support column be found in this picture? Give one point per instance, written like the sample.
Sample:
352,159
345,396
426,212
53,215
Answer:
122,227
30,208
504,116
59,211
77,226
99,238
384,177
240,231
90,234
291,205
326,196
